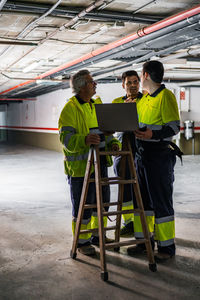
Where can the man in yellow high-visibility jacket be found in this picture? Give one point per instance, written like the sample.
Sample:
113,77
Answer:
78,129
155,159
131,85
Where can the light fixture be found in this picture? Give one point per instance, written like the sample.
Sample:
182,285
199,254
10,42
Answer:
34,65
118,25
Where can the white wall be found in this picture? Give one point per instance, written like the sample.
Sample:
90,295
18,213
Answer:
42,115
190,107
109,91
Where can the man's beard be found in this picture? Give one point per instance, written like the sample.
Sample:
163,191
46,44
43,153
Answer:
133,92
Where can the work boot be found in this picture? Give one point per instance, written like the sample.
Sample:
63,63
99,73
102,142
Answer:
165,253
140,248
137,249
87,250
162,257
127,230
95,240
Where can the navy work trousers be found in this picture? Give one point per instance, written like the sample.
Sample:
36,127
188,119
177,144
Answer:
155,171
76,185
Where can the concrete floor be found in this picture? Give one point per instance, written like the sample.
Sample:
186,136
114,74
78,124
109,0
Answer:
35,232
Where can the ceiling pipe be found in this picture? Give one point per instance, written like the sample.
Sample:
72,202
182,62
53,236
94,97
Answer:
142,32
68,24
17,99
139,44
146,56
84,12
32,24
137,62
18,43
2,3
145,5
136,44
71,11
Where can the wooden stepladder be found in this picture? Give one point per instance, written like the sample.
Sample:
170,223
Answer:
94,159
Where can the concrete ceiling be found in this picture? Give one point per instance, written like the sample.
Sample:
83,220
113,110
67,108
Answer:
43,42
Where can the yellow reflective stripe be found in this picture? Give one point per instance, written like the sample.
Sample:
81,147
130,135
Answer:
150,219
67,128
67,138
128,217
77,157
105,221
150,223
95,223
165,231
151,126
83,237
175,125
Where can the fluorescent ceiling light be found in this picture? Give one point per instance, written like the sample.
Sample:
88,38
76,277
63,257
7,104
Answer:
106,63
47,82
34,65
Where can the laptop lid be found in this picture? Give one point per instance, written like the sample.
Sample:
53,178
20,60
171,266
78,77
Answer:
117,117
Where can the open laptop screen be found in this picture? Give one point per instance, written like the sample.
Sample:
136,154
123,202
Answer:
117,117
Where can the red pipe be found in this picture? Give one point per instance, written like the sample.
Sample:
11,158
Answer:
17,99
144,31
26,127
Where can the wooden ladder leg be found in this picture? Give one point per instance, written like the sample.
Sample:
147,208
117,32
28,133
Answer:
82,202
120,200
152,264
104,273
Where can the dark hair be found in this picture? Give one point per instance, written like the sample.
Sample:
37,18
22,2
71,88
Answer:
155,70
130,73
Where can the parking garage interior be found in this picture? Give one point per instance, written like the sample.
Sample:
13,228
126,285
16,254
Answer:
42,43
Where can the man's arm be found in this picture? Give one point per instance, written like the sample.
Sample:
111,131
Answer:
170,117
70,137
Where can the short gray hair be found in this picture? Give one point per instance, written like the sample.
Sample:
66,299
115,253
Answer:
78,80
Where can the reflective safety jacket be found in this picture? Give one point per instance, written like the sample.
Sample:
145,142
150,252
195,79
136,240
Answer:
74,124
159,112
123,98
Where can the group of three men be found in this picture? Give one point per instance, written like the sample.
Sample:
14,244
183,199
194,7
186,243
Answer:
154,158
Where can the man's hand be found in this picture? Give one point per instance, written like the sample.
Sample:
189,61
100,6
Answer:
129,100
147,134
115,147
92,139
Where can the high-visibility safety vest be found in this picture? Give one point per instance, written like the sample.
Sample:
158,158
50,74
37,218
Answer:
123,98
74,125
157,111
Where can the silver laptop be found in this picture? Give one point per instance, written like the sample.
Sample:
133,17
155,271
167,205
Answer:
117,117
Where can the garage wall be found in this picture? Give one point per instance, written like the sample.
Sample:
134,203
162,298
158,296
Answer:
3,114
35,122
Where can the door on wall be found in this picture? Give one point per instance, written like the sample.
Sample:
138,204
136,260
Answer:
3,131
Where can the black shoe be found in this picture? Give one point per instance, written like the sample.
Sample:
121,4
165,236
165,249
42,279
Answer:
95,240
140,248
162,257
87,250
127,230
137,249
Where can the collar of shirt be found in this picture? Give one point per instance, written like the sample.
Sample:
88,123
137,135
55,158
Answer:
139,96
81,101
162,87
